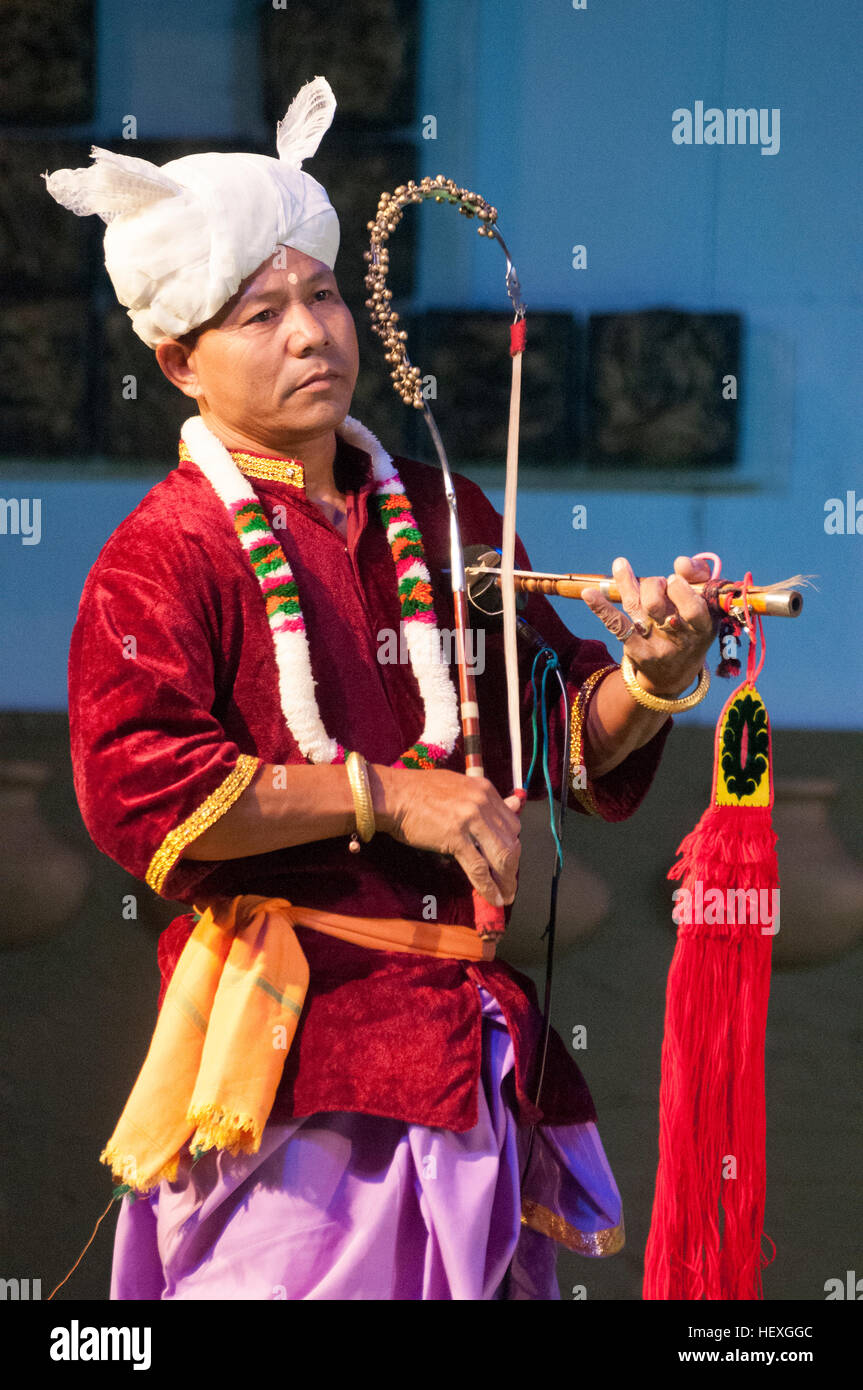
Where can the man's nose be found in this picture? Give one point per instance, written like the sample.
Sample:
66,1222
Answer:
305,329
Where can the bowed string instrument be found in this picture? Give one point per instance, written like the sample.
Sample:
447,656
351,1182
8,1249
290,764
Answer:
706,1111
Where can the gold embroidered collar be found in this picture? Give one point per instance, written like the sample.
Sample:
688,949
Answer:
274,470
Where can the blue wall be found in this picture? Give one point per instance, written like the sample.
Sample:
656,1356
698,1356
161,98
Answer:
563,119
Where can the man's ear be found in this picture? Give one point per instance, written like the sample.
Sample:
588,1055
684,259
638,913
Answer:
174,357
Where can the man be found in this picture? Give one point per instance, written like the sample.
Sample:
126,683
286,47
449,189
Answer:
224,664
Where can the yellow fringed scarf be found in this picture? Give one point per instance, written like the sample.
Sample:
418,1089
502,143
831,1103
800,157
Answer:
227,1023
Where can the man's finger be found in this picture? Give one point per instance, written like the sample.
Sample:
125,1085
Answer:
493,842
501,818
627,584
476,867
695,571
500,850
654,598
690,605
617,623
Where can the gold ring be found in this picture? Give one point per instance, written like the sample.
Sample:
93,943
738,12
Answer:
640,628
673,630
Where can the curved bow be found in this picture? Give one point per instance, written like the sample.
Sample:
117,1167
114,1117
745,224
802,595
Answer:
518,337
490,921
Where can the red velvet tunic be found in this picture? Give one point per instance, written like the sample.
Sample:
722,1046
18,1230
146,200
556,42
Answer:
173,692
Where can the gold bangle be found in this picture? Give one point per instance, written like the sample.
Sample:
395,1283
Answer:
656,702
363,805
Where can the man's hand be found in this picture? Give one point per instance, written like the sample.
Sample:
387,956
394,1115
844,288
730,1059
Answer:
667,661
466,817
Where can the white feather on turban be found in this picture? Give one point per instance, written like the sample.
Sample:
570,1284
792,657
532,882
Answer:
181,238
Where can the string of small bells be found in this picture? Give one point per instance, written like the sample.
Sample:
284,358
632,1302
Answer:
406,378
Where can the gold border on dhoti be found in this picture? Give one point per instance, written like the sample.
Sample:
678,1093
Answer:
548,1223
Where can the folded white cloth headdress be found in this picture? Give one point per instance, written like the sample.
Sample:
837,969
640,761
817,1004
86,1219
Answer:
181,238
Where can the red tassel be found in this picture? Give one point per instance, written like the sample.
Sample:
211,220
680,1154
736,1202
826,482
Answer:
705,1237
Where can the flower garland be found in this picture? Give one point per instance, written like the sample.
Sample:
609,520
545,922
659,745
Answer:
441,724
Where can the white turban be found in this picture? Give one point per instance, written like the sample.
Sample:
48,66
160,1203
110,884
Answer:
181,238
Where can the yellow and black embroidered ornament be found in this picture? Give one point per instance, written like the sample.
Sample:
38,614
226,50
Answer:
708,1211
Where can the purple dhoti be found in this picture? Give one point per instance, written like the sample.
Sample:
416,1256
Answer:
344,1206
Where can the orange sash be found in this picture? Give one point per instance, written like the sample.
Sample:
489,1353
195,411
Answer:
228,1020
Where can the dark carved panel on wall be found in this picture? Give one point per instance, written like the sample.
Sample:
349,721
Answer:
41,245
355,173
467,353
375,402
366,49
663,389
46,61
88,376
43,375
141,411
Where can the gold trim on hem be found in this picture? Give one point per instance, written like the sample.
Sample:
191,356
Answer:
209,811
598,1243
576,744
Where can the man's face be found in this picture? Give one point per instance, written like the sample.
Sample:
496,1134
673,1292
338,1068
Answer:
278,364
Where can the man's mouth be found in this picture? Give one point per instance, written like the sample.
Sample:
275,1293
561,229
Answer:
317,381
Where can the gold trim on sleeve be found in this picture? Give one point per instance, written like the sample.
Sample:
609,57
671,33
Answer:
576,743
209,811
548,1223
